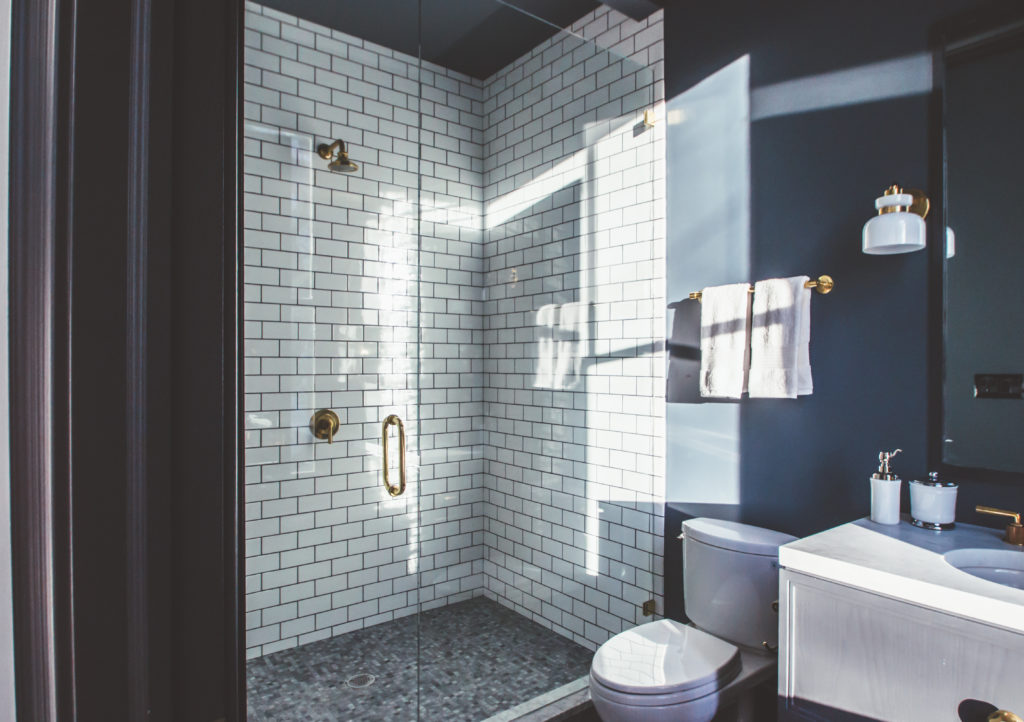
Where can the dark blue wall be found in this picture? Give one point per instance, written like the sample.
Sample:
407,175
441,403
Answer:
805,464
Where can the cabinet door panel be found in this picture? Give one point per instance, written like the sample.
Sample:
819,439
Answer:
862,655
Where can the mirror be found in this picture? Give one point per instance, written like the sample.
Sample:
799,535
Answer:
983,264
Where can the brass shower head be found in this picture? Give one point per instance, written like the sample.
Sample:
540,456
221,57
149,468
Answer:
343,164
338,157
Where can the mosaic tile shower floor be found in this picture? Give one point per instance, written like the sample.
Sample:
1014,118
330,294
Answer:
478,658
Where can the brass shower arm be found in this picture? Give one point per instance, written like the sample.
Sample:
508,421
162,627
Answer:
327,151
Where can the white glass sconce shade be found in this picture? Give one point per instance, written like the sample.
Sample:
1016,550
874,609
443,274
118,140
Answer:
897,228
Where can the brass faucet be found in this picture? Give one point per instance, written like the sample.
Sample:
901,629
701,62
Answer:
1014,530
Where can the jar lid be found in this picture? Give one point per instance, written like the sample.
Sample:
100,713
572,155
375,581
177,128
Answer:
933,480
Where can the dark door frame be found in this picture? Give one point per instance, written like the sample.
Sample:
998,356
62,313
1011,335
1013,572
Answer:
126,427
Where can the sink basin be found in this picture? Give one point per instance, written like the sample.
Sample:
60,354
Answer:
1002,566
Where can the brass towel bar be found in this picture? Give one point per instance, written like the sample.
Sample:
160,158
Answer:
823,284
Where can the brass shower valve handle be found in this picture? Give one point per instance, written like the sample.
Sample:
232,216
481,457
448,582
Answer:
325,424
1014,530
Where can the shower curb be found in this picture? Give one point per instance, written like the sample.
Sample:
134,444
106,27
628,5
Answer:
553,705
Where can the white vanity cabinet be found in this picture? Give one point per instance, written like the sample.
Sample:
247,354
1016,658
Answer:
849,654
874,624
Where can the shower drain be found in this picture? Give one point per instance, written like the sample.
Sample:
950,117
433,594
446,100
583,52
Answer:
360,681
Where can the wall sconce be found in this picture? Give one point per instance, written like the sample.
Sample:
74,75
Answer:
899,225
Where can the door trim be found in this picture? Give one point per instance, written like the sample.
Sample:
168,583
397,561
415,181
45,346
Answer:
234,393
181,651
39,200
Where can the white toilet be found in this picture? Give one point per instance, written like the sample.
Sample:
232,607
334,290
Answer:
665,670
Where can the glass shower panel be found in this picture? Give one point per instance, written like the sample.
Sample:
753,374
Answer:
546,522
331,323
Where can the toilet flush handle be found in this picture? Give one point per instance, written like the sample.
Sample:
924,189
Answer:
770,648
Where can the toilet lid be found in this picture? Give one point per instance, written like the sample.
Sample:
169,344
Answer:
664,656
735,536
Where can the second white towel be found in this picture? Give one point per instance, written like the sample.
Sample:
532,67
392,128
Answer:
780,365
724,340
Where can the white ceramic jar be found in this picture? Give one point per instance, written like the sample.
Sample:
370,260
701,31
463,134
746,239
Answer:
933,503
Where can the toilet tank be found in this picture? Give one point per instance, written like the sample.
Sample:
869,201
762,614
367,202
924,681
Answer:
731,579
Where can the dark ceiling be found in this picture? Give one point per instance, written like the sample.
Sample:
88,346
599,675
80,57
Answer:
475,37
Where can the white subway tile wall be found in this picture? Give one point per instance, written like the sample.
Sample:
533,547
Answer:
347,309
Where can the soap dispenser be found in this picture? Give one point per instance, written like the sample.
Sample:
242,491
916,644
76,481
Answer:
885,491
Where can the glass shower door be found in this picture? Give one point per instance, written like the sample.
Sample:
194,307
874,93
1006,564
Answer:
332,322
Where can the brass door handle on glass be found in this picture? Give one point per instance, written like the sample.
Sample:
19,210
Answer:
394,490
325,424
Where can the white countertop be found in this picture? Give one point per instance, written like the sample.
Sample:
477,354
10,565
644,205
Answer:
904,562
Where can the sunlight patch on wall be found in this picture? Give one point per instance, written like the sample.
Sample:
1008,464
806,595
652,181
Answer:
709,212
897,78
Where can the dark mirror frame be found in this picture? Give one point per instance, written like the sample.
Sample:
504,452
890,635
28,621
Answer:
953,35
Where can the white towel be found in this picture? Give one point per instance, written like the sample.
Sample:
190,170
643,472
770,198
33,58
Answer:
780,365
724,340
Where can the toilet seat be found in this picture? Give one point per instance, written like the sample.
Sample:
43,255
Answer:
631,699
663,662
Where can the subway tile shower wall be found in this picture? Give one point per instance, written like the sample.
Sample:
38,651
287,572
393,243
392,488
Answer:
532,406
